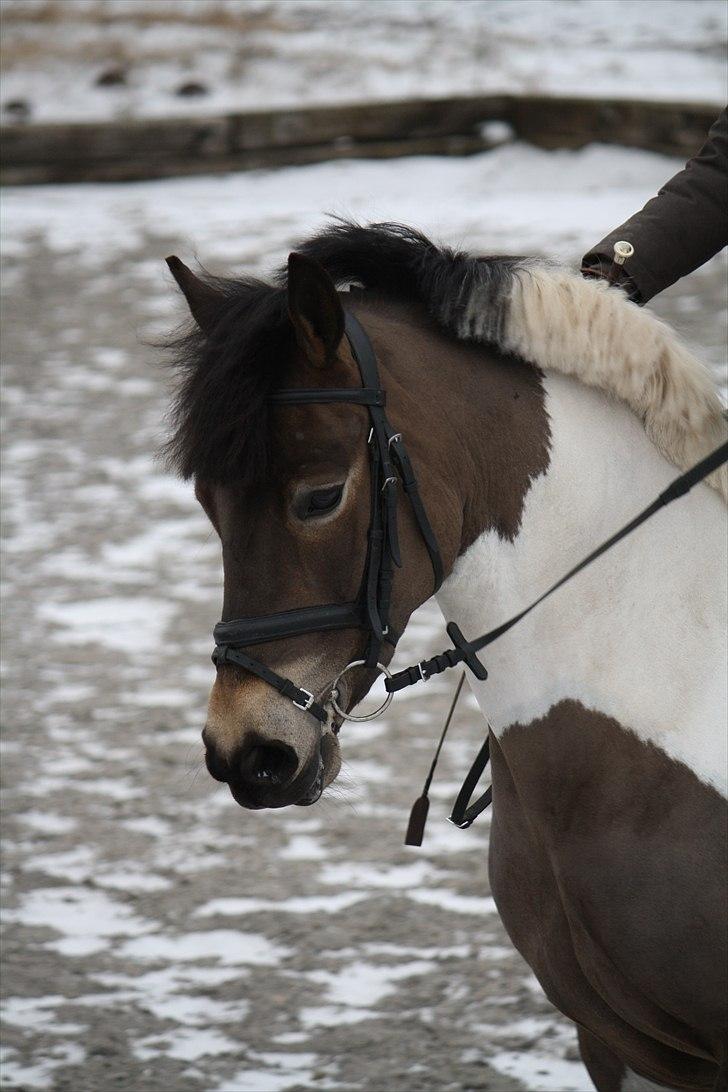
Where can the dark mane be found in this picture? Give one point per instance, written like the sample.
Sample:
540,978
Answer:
219,417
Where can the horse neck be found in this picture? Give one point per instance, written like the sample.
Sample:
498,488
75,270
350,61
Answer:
609,639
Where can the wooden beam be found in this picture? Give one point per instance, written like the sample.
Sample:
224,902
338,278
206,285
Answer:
157,148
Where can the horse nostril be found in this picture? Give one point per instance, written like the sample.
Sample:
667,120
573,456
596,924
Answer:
217,767
269,764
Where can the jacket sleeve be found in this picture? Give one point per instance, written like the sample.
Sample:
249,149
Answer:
679,229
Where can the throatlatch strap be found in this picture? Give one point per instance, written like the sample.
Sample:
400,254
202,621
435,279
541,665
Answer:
409,484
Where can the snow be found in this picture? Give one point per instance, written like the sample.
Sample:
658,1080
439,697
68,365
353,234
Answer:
306,904
86,919
115,623
281,1071
302,847
540,1072
185,1043
453,902
516,196
402,877
48,822
273,53
363,985
40,1075
228,946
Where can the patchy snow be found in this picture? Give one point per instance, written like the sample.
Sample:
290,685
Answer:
228,946
266,53
48,823
281,1071
119,624
400,878
302,847
452,901
540,1072
364,985
186,1044
41,1073
86,919
307,904
38,1013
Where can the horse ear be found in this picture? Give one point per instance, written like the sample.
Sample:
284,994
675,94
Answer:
205,302
315,310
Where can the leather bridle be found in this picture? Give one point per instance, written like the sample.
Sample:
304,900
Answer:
390,466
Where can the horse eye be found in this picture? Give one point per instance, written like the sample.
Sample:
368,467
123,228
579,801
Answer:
321,501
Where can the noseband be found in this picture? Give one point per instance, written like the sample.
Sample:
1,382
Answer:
389,466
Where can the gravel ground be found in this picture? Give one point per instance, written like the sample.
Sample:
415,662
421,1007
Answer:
157,937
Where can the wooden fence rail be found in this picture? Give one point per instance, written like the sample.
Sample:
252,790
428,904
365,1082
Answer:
155,148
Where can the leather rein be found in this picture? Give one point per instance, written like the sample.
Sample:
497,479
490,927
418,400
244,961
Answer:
390,465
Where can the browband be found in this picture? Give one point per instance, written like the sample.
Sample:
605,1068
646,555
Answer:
304,396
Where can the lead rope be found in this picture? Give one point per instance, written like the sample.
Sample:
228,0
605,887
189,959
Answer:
421,806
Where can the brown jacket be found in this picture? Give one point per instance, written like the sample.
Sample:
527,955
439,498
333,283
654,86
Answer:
679,229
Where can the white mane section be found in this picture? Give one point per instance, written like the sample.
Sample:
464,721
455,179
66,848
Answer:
583,328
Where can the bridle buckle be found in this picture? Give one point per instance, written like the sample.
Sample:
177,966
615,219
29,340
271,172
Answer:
306,705
421,668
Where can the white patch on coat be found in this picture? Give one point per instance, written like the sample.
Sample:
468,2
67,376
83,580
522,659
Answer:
640,635
561,322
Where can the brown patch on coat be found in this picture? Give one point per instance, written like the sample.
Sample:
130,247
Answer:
474,421
607,861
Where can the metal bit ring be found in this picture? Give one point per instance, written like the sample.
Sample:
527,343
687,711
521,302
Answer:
335,693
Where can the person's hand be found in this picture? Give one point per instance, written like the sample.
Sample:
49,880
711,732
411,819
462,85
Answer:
613,272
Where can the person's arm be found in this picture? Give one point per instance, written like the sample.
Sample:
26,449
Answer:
679,229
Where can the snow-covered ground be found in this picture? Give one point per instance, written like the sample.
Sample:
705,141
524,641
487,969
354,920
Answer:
158,937
255,54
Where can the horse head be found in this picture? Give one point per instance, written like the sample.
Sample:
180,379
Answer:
288,489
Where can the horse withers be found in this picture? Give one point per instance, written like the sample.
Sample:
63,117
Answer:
540,412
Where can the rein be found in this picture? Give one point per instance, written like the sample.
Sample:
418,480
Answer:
390,465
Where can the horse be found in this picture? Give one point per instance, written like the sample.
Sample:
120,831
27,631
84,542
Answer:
541,410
